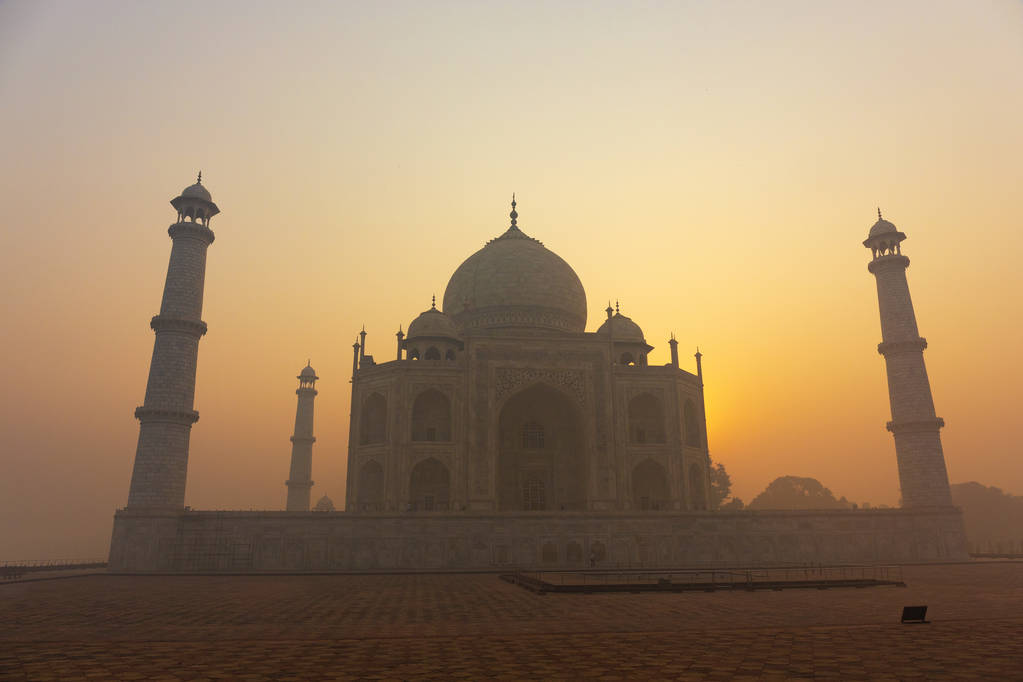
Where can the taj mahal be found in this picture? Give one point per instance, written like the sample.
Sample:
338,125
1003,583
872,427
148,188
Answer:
497,432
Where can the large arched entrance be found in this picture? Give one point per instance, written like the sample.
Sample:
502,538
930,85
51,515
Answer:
541,463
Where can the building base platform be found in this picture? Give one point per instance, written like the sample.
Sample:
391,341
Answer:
326,542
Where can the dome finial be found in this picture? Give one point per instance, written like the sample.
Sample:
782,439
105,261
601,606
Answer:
879,213
617,311
198,180
514,215
433,302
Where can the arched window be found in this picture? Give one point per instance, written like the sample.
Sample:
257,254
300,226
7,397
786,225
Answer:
646,419
429,486
627,359
450,355
692,421
697,487
370,493
431,416
373,425
533,494
532,436
650,486
413,354
432,354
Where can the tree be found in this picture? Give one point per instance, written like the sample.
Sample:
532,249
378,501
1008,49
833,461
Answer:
720,485
796,492
734,504
992,517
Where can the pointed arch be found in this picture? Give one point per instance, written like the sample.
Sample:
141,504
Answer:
541,462
429,486
431,416
694,437
650,486
697,487
646,419
432,353
369,494
373,422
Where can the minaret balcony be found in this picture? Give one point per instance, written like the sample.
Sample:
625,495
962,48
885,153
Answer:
195,328
893,347
916,426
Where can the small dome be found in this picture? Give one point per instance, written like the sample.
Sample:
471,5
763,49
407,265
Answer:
882,226
624,329
308,371
324,504
196,191
432,324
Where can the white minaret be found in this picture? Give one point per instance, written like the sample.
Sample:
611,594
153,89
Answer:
300,479
166,415
916,428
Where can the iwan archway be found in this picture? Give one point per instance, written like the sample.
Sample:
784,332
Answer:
540,465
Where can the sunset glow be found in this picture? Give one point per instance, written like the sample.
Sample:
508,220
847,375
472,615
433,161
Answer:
714,167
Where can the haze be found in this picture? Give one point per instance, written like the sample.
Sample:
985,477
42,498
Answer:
712,166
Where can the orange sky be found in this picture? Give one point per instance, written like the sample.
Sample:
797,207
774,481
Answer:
713,166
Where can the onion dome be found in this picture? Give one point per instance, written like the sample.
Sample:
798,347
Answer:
623,327
883,237
432,324
515,281
195,202
324,504
197,191
307,372
882,226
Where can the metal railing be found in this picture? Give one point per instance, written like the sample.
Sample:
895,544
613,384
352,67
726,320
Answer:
10,570
720,578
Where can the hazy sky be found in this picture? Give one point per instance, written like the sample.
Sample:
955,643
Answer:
714,166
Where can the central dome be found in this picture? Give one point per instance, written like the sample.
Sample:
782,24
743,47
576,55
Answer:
515,281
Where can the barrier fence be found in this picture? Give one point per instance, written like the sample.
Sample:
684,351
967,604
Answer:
9,570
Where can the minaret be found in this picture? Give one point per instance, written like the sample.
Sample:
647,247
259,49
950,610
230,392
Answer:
166,415
300,479
914,425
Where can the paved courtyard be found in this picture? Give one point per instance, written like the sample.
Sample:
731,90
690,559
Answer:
476,626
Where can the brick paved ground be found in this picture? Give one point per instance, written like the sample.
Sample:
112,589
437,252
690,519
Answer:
477,626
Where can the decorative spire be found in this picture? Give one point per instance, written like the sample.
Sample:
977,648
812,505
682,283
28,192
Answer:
309,362
609,309
879,213
433,302
514,215
617,311
198,180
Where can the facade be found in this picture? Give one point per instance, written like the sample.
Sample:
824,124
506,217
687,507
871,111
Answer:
503,402
504,435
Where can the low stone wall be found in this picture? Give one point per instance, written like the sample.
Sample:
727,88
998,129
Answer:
260,542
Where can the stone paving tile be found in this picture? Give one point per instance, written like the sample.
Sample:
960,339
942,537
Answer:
477,626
